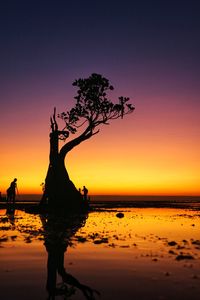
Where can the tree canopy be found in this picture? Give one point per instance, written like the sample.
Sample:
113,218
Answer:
93,107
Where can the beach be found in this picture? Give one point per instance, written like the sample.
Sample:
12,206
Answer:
116,252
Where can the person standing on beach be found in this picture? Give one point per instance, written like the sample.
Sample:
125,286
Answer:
11,191
85,193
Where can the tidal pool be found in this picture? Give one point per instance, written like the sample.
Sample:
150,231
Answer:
142,253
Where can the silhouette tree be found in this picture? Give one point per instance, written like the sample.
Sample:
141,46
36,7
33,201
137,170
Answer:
92,109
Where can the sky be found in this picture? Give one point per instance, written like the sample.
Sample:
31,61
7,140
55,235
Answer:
149,50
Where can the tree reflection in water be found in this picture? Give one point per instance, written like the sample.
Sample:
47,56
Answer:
58,231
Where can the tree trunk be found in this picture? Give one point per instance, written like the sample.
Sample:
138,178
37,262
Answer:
59,190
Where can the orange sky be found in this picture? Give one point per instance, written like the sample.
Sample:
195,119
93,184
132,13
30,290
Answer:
145,153
149,52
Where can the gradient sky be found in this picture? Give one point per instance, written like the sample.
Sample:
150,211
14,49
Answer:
150,52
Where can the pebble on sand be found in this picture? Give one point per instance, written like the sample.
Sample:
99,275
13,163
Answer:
184,256
120,215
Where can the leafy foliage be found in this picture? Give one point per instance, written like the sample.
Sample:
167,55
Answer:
93,107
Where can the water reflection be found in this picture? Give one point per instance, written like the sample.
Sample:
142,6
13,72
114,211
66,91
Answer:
10,213
57,235
155,248
57,232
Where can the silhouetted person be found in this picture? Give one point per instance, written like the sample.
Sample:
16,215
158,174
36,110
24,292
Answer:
11,192
85,193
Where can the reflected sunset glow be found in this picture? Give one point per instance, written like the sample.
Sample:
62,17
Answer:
145,244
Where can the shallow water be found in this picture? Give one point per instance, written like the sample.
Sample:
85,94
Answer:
146,254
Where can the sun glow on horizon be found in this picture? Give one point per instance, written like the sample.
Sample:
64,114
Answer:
134,156
105,166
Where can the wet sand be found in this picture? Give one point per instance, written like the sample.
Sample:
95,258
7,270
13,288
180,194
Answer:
124,253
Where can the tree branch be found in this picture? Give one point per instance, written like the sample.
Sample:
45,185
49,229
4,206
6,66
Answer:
75,142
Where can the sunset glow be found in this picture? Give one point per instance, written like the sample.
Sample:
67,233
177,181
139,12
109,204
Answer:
144,154
146,55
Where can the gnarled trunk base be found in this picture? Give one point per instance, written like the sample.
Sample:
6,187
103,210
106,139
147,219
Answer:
60,192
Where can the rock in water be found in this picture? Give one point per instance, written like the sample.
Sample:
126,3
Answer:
120,215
